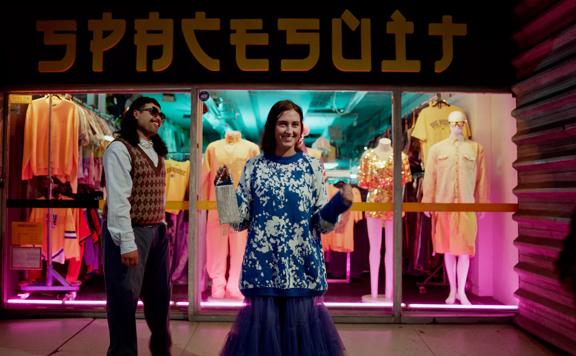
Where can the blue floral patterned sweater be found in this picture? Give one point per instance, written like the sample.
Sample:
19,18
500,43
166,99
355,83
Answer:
283,204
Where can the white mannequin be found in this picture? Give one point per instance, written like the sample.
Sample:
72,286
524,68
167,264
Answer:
374,225
456,266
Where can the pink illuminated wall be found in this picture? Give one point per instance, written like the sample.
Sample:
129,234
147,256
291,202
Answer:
492,270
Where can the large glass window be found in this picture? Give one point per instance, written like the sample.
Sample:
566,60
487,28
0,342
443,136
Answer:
342,130
55,194
350,132
458,252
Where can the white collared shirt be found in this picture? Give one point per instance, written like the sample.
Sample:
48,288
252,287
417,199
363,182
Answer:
117,167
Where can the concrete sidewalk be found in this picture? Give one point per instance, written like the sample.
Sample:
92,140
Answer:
90,337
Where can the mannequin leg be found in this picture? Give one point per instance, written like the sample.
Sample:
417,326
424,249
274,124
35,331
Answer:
450,264
216,254
237,247
462,272
388,257
375,240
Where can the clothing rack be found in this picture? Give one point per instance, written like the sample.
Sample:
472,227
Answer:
51,274
435,101
109,118
428,280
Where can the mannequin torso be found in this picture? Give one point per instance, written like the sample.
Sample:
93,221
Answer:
384,148
376,173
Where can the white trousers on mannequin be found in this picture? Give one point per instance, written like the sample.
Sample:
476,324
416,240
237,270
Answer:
221,241
375,238
457,270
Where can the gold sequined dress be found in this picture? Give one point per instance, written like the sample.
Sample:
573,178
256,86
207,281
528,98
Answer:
376,173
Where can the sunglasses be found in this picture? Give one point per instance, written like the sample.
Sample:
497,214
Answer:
153,111
457,123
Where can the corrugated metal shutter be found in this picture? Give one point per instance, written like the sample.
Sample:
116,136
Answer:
545,63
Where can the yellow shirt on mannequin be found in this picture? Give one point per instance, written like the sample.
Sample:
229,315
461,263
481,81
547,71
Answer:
455,173
232,151
432,127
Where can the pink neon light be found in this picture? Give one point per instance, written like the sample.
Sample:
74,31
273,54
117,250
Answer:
34,301
356,305
64,302
213,304
221,304
462,307
239,304
86,302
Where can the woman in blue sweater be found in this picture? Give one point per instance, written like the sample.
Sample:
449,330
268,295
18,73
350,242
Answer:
283,204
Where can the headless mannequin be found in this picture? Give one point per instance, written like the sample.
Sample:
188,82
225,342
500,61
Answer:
225,247
232,135
374,225
456,266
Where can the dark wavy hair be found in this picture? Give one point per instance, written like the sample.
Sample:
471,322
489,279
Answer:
268,143
128,126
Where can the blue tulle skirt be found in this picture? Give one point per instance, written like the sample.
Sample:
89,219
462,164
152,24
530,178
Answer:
283,326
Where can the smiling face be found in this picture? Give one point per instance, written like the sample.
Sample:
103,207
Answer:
148,120
287,132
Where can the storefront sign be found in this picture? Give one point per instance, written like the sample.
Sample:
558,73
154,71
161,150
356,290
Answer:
27,233
155,31
25,258
408,43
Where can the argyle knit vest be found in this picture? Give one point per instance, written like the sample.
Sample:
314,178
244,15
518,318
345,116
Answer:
148,187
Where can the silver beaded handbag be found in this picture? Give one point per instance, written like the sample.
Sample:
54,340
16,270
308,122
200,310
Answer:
226,203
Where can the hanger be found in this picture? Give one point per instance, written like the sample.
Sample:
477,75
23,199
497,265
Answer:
439,101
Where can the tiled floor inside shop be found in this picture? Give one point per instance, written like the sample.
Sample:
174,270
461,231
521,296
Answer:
90,337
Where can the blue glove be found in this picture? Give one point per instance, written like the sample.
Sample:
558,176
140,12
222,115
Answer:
333,208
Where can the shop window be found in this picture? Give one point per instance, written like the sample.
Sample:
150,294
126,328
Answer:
456,256
351,132
55,195
341,129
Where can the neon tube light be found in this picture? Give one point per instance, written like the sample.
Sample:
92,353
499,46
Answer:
463,307
70,302
238,304
211,304
214,304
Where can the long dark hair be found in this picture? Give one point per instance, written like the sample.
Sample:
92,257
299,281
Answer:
128,126
268,143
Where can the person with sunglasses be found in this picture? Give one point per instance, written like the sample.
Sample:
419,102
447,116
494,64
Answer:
135,243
